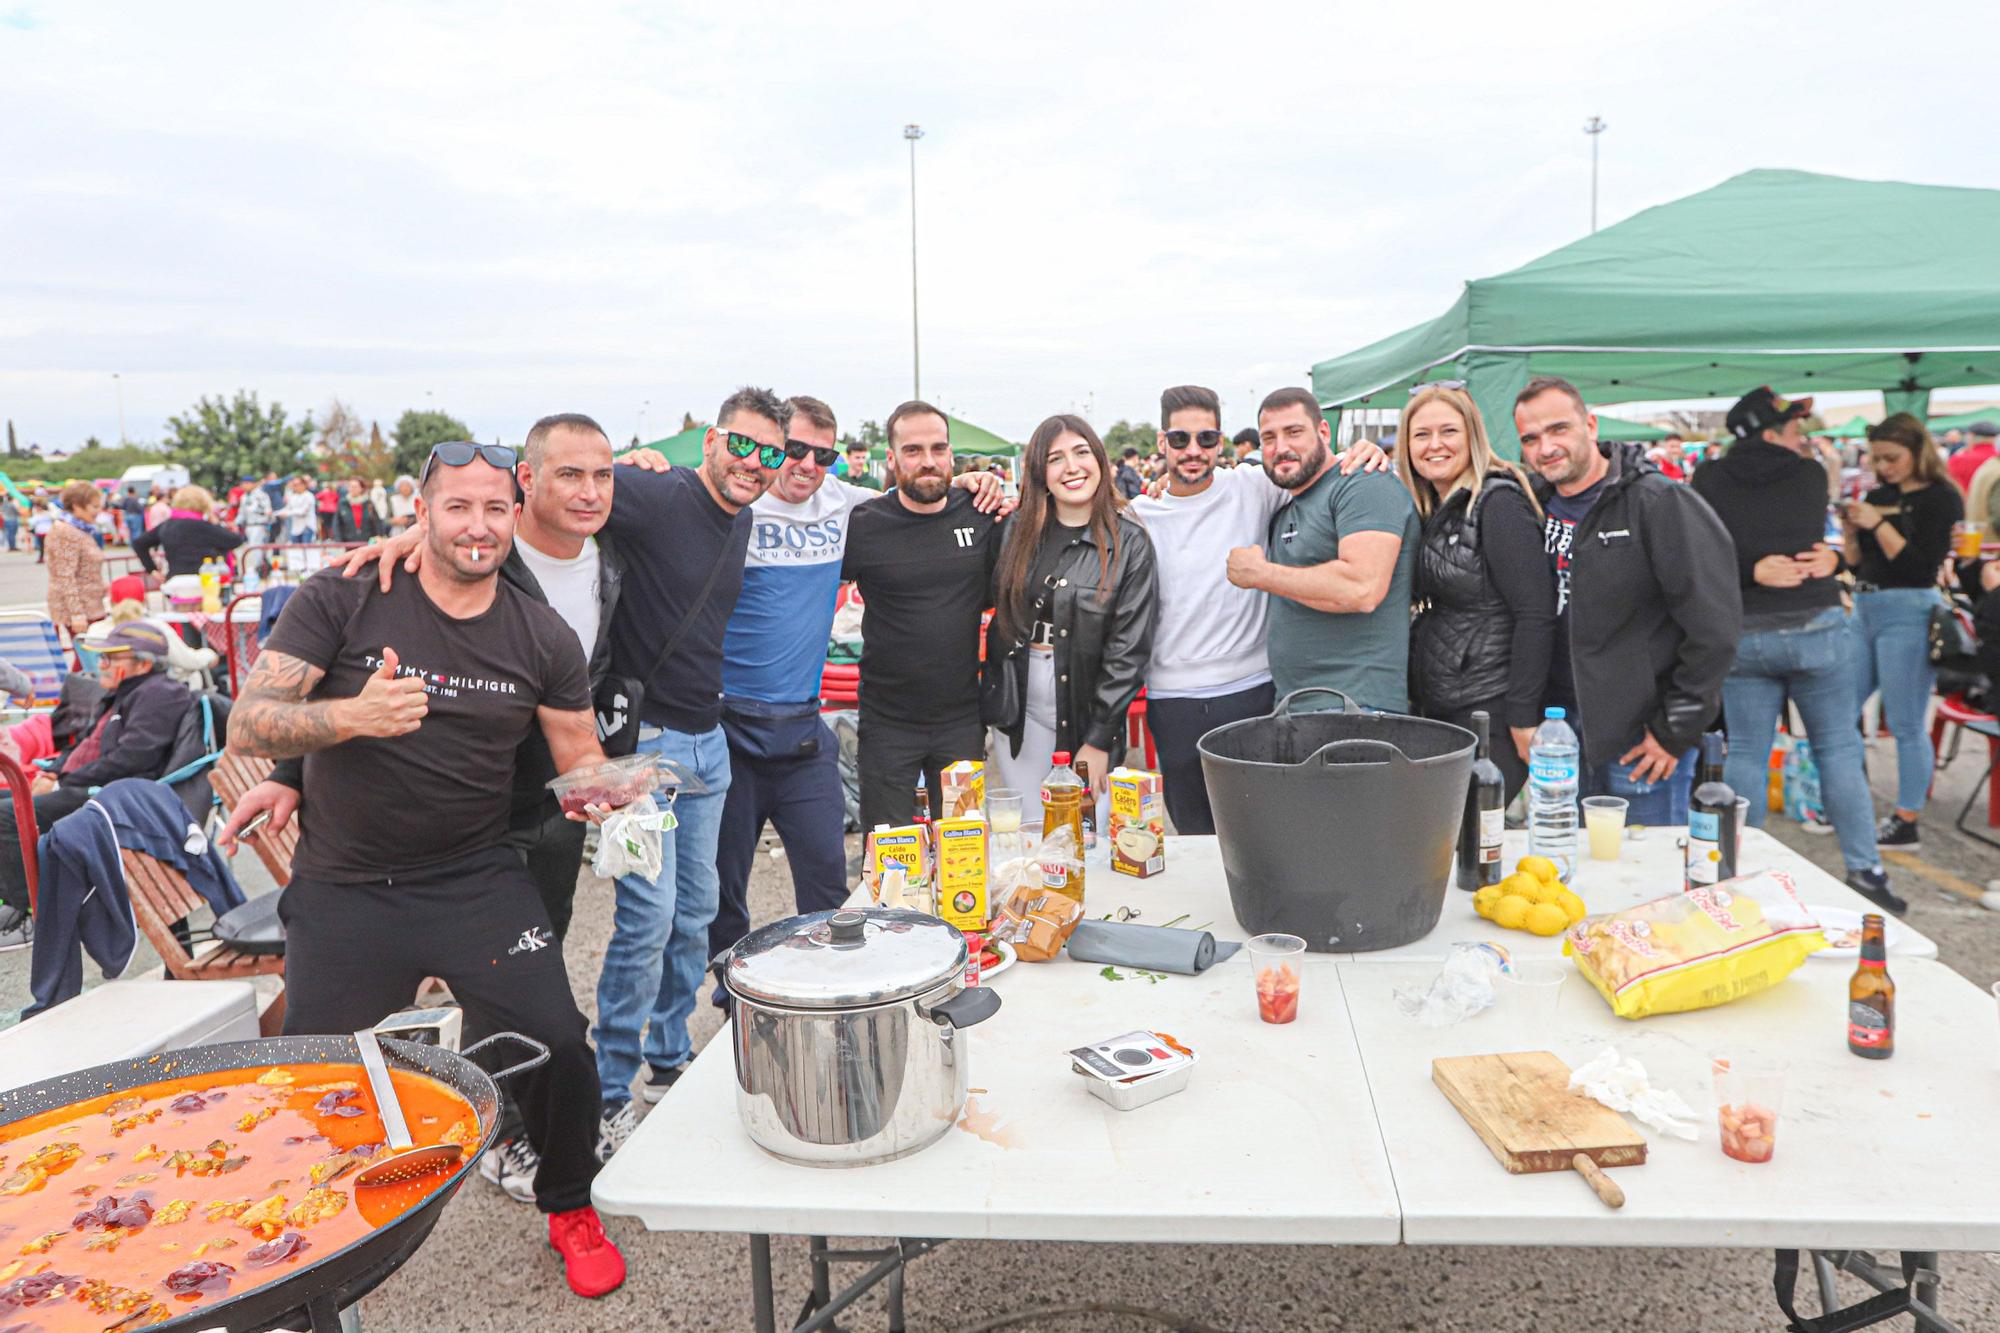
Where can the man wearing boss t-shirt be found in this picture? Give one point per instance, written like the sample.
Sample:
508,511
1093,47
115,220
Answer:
923,560
409,707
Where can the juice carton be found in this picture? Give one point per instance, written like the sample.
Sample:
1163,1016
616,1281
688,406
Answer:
963,788
1138,823
902,847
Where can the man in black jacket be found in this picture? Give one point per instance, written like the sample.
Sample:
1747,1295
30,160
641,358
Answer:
133,738
1647,605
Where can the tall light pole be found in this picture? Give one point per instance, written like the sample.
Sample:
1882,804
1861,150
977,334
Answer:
913,133
1594,127
118,384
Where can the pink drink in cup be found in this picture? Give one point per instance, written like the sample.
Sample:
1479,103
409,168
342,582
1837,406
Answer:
1274,964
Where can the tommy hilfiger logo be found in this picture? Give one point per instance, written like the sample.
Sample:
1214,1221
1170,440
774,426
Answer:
437,682
533,938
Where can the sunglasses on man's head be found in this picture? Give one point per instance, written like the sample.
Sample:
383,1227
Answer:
821,455
457,453
1205,439
770,456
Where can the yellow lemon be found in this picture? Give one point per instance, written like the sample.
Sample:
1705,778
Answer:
1573,905
1482,901
1547,891
1547,919
1524,884
1511,912
1539,866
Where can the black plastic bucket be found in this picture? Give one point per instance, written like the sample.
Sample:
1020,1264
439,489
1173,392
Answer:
1337,827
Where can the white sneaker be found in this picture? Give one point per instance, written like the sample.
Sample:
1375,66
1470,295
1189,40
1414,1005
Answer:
17,929
512,1167
1814,824
614,1128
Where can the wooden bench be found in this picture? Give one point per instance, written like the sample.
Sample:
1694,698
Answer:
161,899
233,775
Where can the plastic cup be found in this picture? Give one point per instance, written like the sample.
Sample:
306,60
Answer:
1742,822
1003,810
1749,1094
1274,966
1604,824
1531,994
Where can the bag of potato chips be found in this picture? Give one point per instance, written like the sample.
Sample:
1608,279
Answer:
1693,950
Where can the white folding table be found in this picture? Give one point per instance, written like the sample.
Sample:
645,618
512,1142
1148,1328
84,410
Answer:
1327,1131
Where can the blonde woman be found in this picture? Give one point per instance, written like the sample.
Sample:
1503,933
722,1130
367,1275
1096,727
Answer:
76,563
1486,597
1898,537
188,537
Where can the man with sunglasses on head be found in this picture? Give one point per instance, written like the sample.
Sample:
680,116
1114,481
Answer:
1209,664
409,707
783,761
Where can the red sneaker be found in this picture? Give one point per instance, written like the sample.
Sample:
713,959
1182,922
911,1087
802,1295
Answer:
590,1261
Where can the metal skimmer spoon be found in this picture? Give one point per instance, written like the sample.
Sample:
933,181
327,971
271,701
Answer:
404,1161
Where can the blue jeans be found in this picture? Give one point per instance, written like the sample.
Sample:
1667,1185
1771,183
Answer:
1892,653
1814,666
659,931
1654,804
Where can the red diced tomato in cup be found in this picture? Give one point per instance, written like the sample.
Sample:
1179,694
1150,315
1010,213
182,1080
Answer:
1749,1132
1278,993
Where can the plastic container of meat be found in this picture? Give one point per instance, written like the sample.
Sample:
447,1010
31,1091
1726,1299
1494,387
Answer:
619,782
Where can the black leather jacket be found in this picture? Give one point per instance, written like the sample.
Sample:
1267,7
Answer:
1101,648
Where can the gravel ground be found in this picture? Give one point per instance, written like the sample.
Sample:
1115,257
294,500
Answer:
487,1266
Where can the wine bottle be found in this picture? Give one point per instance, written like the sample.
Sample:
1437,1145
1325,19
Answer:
1484,821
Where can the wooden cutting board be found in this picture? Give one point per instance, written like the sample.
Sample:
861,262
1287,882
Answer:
1521,1107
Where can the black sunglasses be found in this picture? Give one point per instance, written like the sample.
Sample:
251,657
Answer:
823,456
1206,439
457,453
770,456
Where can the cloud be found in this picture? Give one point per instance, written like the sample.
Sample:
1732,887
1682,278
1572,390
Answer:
507,211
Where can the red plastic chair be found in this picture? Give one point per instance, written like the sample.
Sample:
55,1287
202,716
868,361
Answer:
1954,711
17,782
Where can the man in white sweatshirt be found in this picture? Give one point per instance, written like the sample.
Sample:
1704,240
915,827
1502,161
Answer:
1208,666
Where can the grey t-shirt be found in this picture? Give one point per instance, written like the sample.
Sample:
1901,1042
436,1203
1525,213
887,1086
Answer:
1363,654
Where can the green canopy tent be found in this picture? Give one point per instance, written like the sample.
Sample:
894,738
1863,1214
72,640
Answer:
1805,282
1854,428
684,449
967,438
1627,432
1961,420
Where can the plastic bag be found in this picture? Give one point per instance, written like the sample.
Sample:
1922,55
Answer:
1462,989
629,840
1029,915
1696,949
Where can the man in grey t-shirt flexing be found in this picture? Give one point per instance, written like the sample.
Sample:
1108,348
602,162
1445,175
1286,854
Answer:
1339,562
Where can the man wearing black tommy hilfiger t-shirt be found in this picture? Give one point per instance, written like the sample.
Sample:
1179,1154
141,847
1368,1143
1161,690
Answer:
923,560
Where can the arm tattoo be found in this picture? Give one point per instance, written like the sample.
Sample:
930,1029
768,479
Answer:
272,717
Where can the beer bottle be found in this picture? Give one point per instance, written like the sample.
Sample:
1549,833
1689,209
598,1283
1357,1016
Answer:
1485,819
1711,847
1871,997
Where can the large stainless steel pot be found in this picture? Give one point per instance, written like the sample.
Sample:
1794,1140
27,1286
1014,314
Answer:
847,1032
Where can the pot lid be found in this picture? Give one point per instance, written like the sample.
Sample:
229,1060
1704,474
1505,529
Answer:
849,959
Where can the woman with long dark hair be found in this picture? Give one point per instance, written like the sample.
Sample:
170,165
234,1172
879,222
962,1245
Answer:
1073,595
1898,536
1486,597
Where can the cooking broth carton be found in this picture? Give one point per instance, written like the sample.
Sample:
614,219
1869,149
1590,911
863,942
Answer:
961,877
1138,823
899,847
963,788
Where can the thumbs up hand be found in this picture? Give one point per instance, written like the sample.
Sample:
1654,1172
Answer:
388,705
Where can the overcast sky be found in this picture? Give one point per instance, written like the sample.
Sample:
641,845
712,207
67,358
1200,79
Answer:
507,210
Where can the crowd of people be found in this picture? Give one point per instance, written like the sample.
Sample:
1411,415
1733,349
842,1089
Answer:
525,610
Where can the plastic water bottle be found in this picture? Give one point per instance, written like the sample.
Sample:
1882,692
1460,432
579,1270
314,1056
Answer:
1552,778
